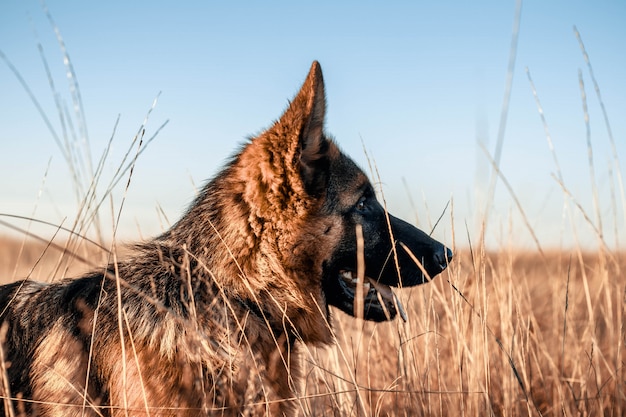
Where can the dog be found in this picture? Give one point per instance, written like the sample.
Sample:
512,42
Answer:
207,318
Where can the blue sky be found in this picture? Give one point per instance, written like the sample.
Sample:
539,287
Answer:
418,83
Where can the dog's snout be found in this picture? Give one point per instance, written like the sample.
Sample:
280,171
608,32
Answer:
443,257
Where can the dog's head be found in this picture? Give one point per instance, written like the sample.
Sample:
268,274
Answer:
326,198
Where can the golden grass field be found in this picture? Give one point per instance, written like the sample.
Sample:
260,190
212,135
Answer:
505,333
508,334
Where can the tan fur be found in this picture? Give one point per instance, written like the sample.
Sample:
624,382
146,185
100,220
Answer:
59,374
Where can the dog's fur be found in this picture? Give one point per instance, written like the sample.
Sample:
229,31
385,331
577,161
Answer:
206,319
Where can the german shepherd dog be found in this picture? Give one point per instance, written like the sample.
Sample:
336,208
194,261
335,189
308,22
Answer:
207,318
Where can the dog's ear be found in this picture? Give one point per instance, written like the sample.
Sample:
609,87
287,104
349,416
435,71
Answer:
305,120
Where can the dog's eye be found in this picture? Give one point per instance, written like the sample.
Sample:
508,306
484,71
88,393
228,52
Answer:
360,205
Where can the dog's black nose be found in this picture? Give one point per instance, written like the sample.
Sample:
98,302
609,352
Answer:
443,257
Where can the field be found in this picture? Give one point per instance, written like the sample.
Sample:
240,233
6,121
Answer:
508,334
504,333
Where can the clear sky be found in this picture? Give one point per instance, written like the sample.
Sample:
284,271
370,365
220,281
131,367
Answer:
419,84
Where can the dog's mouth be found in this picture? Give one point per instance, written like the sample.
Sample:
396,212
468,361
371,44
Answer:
380,303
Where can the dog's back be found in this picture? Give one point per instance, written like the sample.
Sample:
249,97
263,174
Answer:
75,347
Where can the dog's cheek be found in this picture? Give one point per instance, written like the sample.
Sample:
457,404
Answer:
323,242
334,231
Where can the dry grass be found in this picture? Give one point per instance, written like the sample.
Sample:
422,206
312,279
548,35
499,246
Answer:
45,261
509,333
505,333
